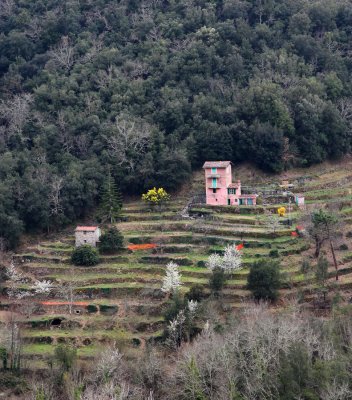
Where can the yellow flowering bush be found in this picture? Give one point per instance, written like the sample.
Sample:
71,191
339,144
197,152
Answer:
156,196
281,211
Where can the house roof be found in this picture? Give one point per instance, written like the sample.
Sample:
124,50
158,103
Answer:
233,186
216,164
86,228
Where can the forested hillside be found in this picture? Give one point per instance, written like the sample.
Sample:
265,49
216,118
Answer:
154,88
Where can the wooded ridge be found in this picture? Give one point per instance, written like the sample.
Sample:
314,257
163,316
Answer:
151,89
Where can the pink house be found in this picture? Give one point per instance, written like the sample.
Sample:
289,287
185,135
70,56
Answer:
220,190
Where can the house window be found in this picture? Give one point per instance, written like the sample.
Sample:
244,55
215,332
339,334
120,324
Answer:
214,190
85,241
213,170
231,191
214,182
250,202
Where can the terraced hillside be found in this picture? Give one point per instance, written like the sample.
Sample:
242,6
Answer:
120,301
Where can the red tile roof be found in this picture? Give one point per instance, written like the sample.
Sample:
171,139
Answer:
216,164
86,228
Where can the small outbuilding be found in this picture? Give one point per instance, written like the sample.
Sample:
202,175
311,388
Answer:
87,235
299,200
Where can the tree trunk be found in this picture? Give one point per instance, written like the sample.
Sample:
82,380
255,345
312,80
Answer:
334,258
317,247
333,254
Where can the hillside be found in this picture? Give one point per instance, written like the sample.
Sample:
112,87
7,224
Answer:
119,300
151,89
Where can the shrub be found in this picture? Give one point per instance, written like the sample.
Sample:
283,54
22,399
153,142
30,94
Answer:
91,308
111,241
305,266
156,196
264,280
322,271
274,253
85,255
175,306
343,246
108,310
196,292
217,280
65,356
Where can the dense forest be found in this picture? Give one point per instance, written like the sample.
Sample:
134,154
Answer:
150,89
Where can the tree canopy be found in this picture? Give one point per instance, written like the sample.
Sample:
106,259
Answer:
151,89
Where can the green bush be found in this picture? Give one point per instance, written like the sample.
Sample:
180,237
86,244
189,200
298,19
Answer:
274,253
174,307
305,266
65,356
217,280
196,292
264,280
111,241
85,255
201,264
343,246
108,310
91,308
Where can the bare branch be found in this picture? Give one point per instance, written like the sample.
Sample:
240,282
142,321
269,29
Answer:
129,141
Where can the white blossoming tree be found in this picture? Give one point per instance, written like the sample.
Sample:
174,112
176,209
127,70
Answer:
221,265
192,306
175,329
214,261
232,259
172,279
229,262
42,287
16,279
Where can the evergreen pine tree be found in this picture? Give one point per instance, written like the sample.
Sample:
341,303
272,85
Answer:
111,200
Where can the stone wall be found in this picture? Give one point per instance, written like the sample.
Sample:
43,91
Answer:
87,237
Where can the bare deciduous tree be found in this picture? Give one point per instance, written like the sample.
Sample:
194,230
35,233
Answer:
129,141
56,186
6,8
82,143
63,54
67,289
64,135
15,113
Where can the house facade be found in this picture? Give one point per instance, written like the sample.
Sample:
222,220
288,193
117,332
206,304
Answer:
220,190
87,235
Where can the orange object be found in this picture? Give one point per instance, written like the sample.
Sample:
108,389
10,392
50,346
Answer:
64,303
240,246
294,233
144,246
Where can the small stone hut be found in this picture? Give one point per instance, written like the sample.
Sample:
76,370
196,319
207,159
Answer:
87,235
